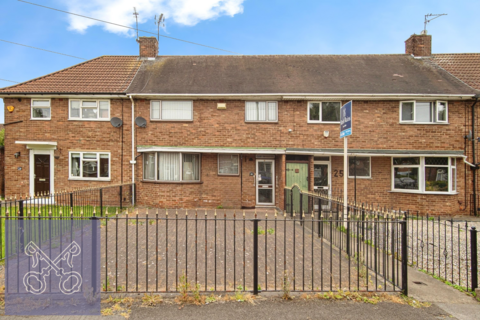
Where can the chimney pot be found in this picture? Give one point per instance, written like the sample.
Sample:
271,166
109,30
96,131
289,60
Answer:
419,45
148,47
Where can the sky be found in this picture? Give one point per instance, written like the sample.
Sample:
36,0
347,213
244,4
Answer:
240,26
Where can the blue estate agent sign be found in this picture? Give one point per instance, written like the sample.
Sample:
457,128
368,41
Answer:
346,120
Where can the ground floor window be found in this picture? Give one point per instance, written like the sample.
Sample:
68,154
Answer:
359,166
171,166
228,164
424,174
89,165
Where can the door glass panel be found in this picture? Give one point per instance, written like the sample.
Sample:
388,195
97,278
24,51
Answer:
265,173
320,175
265,195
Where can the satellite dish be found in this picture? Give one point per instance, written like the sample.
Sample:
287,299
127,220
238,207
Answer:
116,122
141,122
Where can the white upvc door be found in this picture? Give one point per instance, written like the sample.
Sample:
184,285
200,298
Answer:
322,180
265,182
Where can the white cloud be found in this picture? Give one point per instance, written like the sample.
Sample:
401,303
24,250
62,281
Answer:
183,12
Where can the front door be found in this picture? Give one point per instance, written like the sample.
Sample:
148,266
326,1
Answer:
322,180
266,182
42,173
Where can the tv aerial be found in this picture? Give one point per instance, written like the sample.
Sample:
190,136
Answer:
435,16
135,13
158,22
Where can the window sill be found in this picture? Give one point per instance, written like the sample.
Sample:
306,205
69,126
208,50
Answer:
160,120
425,193
427,123
364,178
172,182
90,179
99,120
41,119
254,122
228,175
323,122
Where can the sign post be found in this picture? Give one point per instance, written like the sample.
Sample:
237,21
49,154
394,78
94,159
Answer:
345,131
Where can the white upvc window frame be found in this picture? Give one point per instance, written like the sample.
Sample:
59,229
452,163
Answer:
266,112
369,169
98,153
451,167
320,112
98,110
434,115
228,174
33,107
180,168
160,111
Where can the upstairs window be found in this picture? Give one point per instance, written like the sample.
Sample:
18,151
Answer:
328,112
423,112
89,110
41,109
261,111
171,110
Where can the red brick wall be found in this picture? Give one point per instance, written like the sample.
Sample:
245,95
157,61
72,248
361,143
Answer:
70,136
376,126
2,171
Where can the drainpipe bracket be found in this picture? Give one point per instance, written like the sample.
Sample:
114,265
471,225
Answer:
133,162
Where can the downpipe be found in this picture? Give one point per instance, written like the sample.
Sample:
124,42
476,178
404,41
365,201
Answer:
133,161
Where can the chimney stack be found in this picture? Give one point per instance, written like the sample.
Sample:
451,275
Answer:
148,47
420,45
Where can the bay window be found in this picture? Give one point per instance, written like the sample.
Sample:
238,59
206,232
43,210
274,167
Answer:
89,165
171,166
424,174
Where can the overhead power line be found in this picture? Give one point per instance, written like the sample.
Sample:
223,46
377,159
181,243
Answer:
24,45
9,80
123,26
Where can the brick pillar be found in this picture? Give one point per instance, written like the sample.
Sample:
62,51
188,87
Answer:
420,45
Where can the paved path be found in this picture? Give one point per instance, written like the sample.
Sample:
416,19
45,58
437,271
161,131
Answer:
426,288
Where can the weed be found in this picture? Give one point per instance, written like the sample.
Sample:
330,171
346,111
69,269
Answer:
120,288
150,301
117,307
184,288
259,231
210,299
342,229
271,231
107,312
455,286
219,206
360,262
106,286
239,296
286,286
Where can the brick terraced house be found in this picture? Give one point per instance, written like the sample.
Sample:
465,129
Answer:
233,131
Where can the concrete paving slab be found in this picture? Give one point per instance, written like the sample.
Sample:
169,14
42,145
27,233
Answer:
461,311
423,287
